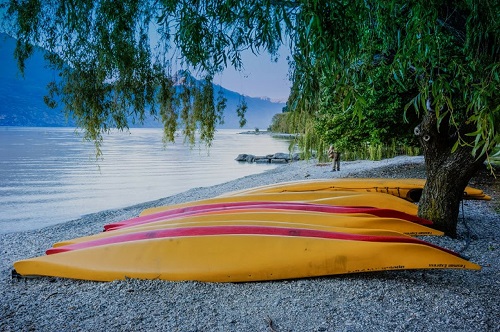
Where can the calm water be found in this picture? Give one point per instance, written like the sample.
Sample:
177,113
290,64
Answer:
49,175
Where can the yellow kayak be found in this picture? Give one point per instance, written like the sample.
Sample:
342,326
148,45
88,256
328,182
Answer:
350,223
338,198
241,254
409,189
207,222
256,205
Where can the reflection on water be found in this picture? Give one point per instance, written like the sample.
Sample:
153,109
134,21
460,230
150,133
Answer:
49,175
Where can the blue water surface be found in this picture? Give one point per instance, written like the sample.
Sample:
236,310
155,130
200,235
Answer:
50,175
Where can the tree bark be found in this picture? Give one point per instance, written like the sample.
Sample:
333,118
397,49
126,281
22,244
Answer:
447,173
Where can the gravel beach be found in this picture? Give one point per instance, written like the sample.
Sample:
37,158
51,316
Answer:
420,300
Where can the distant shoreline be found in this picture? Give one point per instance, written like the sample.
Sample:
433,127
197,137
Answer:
266,132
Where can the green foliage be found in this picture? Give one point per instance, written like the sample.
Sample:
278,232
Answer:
380,151
380,124
445,54
280,123
349,136
310,142
495,156
368,136
359,59
241,109
110,68
358,69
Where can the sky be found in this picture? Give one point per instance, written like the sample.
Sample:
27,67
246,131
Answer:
261,77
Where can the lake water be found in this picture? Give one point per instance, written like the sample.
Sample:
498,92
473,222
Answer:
50,175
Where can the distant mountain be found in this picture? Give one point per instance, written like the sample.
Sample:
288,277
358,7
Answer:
21,99
259,114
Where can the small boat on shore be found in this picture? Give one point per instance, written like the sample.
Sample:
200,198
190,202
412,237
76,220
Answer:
408,189
348,223
282,207
144,233
289,230
239,253
336,198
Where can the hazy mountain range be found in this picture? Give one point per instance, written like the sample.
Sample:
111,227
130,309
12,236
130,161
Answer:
21,99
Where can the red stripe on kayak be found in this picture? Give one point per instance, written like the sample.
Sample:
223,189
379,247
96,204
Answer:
192,210
230,205
277,207
239,230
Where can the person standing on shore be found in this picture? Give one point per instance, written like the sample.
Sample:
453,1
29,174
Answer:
335,157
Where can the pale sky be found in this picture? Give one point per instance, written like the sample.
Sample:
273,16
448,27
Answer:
261,77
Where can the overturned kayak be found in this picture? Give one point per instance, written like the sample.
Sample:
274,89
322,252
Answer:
338,198
408,189
318,218
283,207
241,254
348,223
143,233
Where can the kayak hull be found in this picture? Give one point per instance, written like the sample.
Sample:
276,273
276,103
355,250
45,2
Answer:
354,220
256,205
140,233
317,221
242,254
408,189
339,198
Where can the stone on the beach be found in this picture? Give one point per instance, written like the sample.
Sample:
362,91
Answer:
249,158
241,157
276,158
281,155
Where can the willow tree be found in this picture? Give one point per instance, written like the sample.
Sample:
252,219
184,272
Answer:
443,55
124,59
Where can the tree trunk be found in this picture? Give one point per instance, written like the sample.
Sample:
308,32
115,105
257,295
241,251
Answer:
447,173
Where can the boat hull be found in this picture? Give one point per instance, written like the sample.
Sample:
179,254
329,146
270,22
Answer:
349,221
255,205
352,199
408,189
144,233
242,254
290,212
